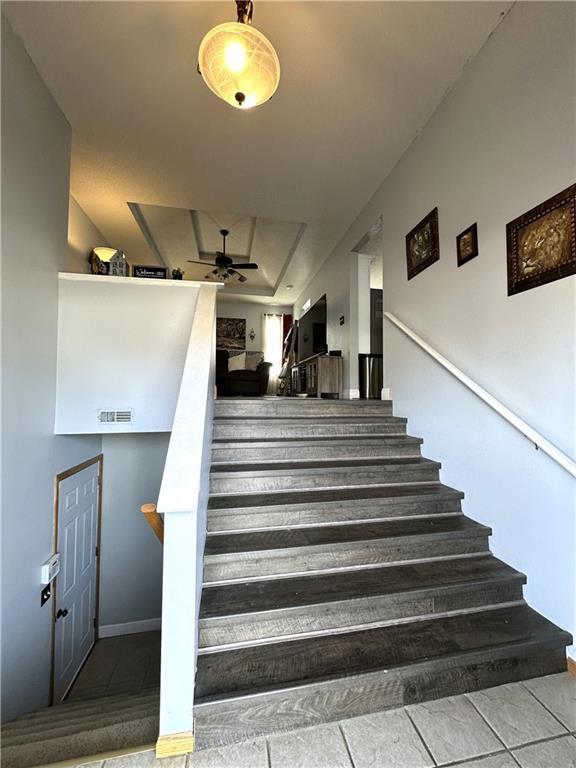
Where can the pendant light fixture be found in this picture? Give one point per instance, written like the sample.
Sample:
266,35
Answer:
238,63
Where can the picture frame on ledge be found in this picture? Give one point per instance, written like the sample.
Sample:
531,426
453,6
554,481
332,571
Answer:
422,245
467,244
541,244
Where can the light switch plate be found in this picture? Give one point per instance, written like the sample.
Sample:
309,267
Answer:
50,569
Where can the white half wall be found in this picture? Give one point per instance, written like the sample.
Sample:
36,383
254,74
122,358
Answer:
121,346
35,190
502,141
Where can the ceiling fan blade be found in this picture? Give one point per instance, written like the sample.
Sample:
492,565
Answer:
240,277
245,266
205,263
209,275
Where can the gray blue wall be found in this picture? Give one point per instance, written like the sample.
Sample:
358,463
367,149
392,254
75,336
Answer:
35,168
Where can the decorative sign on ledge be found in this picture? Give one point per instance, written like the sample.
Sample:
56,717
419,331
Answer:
139,270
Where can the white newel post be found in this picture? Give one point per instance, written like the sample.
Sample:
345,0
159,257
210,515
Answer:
183,500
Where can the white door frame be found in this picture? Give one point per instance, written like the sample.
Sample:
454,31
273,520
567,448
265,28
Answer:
57,480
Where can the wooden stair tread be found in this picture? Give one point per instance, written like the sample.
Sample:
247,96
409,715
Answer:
347,462
253,541
284,592
322,495
297,468
266,442
299,661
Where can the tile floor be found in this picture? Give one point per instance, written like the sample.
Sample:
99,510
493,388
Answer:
126,664
522,725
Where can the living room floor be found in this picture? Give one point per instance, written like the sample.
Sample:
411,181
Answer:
528,725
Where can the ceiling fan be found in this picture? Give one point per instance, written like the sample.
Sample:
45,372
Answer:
225,264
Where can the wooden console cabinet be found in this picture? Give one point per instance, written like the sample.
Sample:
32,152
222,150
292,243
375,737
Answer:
318,376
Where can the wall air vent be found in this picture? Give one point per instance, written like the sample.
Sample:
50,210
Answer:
125,416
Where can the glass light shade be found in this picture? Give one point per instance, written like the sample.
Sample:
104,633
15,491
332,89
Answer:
105,253
239,64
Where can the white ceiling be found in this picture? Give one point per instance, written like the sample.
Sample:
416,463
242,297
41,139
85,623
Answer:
359,81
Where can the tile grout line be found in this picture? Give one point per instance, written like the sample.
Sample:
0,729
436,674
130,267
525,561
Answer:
268,755
524,743
420,736
545,707
465,761
341,729
475,708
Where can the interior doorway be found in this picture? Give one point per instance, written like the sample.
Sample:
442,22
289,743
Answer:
77,513
370,301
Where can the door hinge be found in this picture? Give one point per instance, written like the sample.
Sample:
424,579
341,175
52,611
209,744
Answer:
95,622
96,551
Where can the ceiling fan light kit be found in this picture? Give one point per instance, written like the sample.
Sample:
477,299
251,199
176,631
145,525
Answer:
238,63
224,264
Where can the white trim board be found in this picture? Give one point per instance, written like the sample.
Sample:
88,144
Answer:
129,628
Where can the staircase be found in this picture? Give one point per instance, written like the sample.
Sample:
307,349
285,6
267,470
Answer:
78,729
342,578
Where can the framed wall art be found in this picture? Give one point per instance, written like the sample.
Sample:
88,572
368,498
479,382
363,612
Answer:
541,244
422,246
467,244
230,333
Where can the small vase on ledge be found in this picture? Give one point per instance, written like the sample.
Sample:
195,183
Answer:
177,274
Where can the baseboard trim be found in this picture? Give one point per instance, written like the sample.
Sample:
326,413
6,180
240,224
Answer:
175,744
129,628
571,664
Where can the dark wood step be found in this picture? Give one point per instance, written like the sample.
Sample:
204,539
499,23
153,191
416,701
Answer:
254,541
226,720
327,507
384,495
297,662
246,598
314,475
256,468
299,429
299,408
248,453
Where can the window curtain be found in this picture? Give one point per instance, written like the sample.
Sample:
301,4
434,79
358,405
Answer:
272,333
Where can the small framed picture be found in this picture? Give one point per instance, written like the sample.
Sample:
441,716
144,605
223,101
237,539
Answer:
467,244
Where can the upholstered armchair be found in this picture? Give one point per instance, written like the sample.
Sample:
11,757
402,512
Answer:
251,381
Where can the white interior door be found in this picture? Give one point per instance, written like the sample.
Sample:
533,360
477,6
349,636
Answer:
75,593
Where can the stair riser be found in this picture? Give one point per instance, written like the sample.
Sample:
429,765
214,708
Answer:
374,449
388,609
300,409
219,568
300,429
285,515
328,477
93,741
224,722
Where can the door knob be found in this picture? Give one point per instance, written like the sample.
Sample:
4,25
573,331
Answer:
62,613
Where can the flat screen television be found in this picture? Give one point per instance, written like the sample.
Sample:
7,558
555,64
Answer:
312,331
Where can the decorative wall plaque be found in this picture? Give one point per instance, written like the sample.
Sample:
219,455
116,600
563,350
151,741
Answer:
541,244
